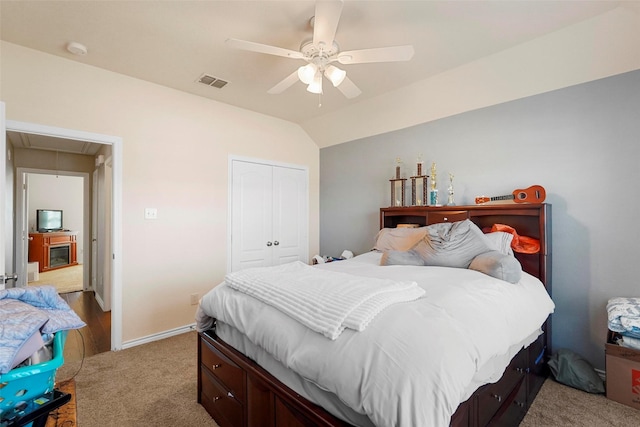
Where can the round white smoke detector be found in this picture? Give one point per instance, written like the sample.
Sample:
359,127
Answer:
77,48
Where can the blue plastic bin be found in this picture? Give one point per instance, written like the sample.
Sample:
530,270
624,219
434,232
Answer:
28,382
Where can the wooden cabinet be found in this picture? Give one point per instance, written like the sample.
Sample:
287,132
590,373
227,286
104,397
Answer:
223,386
532,220
53,250
237,392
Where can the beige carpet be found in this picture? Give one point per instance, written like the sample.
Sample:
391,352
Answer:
559,405
149,385
155,385
67,279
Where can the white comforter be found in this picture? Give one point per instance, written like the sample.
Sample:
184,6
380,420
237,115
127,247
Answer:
417,361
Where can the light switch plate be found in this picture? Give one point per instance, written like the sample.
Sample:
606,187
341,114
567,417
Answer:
150,213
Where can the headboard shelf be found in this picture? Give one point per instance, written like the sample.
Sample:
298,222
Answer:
532,220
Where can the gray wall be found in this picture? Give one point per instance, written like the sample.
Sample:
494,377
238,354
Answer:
581,143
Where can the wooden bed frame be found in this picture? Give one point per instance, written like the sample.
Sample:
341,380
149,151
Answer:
237,392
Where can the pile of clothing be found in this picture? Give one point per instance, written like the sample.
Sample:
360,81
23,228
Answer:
29,317
624,318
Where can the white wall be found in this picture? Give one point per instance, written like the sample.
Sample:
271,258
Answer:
59,192
175,155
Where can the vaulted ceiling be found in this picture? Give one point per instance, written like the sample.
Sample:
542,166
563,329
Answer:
173,43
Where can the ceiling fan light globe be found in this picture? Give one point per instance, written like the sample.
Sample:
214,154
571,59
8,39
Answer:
316,85
306,73
335,75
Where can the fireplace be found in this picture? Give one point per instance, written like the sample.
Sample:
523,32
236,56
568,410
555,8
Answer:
58,256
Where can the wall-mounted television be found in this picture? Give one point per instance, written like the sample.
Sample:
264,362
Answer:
48,220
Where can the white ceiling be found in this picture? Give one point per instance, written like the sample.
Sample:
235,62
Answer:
172,43
62,145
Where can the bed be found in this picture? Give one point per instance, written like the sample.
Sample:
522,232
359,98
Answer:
470,351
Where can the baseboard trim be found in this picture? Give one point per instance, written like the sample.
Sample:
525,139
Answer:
99,301
159,336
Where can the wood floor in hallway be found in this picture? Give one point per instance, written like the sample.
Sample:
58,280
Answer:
96,336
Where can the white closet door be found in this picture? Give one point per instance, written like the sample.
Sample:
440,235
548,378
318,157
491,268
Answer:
251,215
269,215
289,215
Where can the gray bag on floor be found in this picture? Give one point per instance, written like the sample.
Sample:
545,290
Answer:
575,371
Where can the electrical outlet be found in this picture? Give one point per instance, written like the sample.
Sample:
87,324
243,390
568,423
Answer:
194,299
150,213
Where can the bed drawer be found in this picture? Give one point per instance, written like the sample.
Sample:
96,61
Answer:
514,410
224,370
219,402
538,368
446,216
494,396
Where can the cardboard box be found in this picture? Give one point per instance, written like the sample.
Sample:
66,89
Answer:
623,374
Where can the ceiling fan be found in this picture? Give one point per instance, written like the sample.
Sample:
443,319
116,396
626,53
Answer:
322,51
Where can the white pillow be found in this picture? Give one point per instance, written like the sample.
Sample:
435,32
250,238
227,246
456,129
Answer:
500,241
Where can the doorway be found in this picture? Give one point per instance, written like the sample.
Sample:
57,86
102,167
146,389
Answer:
65,192
20,234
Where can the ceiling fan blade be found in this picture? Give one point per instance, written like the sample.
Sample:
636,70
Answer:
326,21
288,81
380,54
263,48
349,89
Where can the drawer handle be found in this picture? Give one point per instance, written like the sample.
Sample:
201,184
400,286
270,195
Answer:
229,394
216,366
215,399
497,397
519,404
446,219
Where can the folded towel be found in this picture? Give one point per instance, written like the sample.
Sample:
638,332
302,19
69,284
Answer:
624,316
324,301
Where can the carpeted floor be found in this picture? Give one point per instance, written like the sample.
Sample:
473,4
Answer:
559,405
155,384
67,279
152,385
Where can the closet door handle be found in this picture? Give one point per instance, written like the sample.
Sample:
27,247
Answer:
269,243
276,243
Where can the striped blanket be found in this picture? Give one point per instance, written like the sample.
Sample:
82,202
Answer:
324,301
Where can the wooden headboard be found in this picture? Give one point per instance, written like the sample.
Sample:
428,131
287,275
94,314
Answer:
532,220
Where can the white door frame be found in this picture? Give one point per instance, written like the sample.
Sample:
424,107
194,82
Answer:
116,207
4,240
